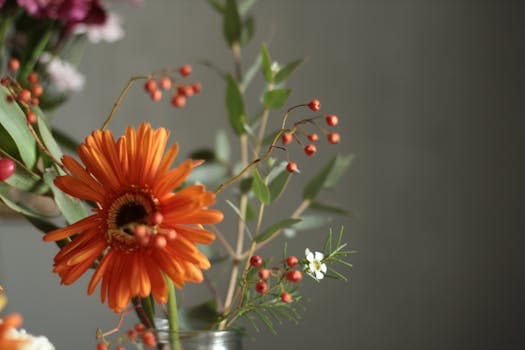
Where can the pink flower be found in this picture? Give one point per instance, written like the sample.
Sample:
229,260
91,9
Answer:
86,11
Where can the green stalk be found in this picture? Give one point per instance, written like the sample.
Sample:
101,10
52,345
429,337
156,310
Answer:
173,318
4,29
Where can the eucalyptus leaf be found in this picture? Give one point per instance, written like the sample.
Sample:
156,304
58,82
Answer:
65,140
276,99
222,146
47,137
319,206
285,71
327,177
72,208
309,222
266,64
248,29
231,22
235,106
260,190
14,122
205,154
20,208
278,184
217,5
251,72
270,231
245,6
27,182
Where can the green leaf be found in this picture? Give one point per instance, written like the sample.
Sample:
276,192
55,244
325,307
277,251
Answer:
309,222
246,6
47,137
259,188
27,182
270,231
231,22
20,208
222,146
248,29
278,184
65,140
316,205
250,72
72,208
276,99
285,71
327,177
201,316
14,122
266,320
245,184
205,154
235,106
266,64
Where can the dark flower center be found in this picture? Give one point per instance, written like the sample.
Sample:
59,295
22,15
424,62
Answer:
131,213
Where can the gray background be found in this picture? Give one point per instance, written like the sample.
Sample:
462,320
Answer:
430,96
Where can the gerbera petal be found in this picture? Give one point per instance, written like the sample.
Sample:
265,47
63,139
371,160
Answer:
79,226
195,234
208,216
78,188
82,174
99,272
168,159
173,178
158,284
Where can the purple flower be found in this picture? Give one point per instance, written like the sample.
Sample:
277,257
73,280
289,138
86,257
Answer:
2,3
71,11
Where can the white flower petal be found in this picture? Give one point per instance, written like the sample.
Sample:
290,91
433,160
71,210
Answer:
323,268
319,275
309,255
319,256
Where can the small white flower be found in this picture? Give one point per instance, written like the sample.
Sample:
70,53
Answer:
109,31
316,268
63,75
32,342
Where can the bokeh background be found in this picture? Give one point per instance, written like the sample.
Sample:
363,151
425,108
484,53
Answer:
430,96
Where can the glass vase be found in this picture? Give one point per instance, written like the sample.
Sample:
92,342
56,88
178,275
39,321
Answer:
200,339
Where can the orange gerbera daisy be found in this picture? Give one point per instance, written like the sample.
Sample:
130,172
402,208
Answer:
141,228
7,325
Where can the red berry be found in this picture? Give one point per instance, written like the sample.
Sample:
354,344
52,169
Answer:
13,64
310,150
9,98
185,70
148,338
261,287
185,90
165,83
37,90
102,346
256,261
32,78
287,138
35,101
132,334
139,327
150,85
294,276
333,137
31,117
156,95
7,168
160,241
332,120
264,274
178,101
291,167
120,347
313,137
24,96
314,105
156,218
291,261
197,87
4,81
171,234
286,297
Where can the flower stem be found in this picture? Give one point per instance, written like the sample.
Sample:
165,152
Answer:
119,99
173,319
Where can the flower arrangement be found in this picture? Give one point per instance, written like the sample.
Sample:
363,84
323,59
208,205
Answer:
130,212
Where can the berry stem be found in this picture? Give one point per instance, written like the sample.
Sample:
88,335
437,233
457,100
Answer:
43,147
123,93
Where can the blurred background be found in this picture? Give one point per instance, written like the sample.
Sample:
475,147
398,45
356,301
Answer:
430,96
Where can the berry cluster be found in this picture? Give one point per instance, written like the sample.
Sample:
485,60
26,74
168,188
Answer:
26,93
137,335
179,92
295,133
281,275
